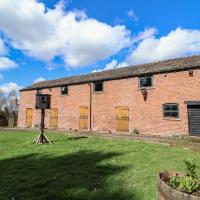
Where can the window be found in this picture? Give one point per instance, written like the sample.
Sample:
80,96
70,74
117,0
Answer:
98,87
64,90
145,81
170,110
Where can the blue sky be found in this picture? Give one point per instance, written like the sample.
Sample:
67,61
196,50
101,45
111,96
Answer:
50,39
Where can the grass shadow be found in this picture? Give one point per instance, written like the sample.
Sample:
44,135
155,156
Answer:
77,138
70,138
81,175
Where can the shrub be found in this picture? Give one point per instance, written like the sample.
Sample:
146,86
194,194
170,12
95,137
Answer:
189,184
135,131
191,168
174,182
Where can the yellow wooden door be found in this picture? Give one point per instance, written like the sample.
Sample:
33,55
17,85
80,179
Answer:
83,120
29,117
122,119
54,118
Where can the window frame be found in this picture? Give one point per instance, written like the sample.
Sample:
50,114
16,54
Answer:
61,90
171,111
146,76
94,91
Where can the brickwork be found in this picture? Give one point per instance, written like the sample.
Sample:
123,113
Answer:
147,116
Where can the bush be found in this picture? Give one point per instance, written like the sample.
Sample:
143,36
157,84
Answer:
135,131
189,184
174,182
191,168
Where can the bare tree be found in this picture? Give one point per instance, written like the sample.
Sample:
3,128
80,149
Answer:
3,100
12,101
9,106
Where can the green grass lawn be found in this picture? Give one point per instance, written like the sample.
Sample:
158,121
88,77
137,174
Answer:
81,168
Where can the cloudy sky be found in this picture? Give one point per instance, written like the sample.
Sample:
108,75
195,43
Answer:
49,39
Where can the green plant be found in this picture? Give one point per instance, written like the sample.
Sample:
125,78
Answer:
189,184
191,168
174,181
135,131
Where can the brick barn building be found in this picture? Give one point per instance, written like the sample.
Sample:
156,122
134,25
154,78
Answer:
161,98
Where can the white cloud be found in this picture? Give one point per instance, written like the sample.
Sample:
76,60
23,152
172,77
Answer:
178,43
8,87
3,50
132,15
39,79
6,63
46,33
109,66
122,64
147,33
147,48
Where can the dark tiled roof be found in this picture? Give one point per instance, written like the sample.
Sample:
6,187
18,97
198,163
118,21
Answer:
125,72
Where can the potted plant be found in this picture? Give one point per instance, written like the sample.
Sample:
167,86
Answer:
180,186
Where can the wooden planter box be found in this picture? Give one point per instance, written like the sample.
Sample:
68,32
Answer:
168,193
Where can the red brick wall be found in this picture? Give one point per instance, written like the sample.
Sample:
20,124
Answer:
146,116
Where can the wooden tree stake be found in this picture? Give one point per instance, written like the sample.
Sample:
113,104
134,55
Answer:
41,138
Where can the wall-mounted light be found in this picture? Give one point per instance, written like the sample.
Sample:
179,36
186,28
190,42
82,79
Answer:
144,93
191,73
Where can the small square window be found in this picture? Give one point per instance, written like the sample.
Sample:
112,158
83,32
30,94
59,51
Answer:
98,87
171,110
146,81
64,90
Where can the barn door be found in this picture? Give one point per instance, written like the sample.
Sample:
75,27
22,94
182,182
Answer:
54,118
122,119
83,121
29,117
194,119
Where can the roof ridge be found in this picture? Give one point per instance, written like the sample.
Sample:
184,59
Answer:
174,64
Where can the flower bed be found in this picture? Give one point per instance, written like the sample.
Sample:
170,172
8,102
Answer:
179,186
